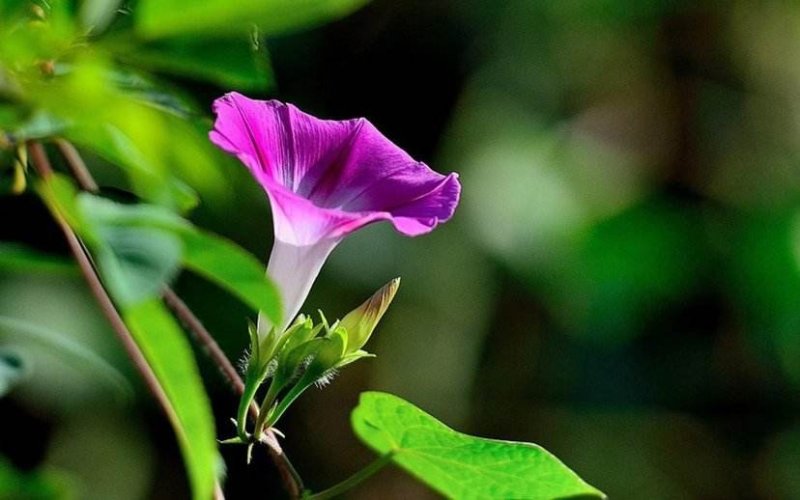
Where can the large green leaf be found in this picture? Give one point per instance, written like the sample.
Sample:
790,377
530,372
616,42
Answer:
458,465
231,63
165,156
160,18
234,269
111,230
136,262
129,243
208,255
170,356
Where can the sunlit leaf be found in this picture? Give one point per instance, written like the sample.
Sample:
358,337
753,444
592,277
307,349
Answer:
59,193
166,156
458,465
170,356
206,254
157,18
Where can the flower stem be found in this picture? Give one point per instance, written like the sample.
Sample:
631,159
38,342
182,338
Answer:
352,481
245,402
77,166
289,476
266,406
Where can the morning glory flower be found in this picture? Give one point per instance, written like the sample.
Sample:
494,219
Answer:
326,179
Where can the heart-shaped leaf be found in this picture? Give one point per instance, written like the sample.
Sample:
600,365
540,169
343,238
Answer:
458,465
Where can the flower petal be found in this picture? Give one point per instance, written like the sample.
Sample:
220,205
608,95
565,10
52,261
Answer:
277,141
328,178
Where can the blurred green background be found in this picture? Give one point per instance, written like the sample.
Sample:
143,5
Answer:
621,283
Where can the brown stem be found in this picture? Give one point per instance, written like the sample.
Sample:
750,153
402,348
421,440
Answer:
77,166
42,166
204,339
291,479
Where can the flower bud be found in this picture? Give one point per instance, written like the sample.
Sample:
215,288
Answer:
360,322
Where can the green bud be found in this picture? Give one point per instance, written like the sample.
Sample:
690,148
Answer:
20,167
361,322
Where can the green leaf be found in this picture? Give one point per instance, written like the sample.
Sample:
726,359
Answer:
59,193
18,258
136,262
19,331
114,229
96,15
144,88
39,125
12,370
163,18
39,485
166,156
143,237
232,63
458,465
148,177
170,356
234,269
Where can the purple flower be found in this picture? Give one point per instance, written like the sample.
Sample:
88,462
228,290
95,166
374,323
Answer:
326,179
